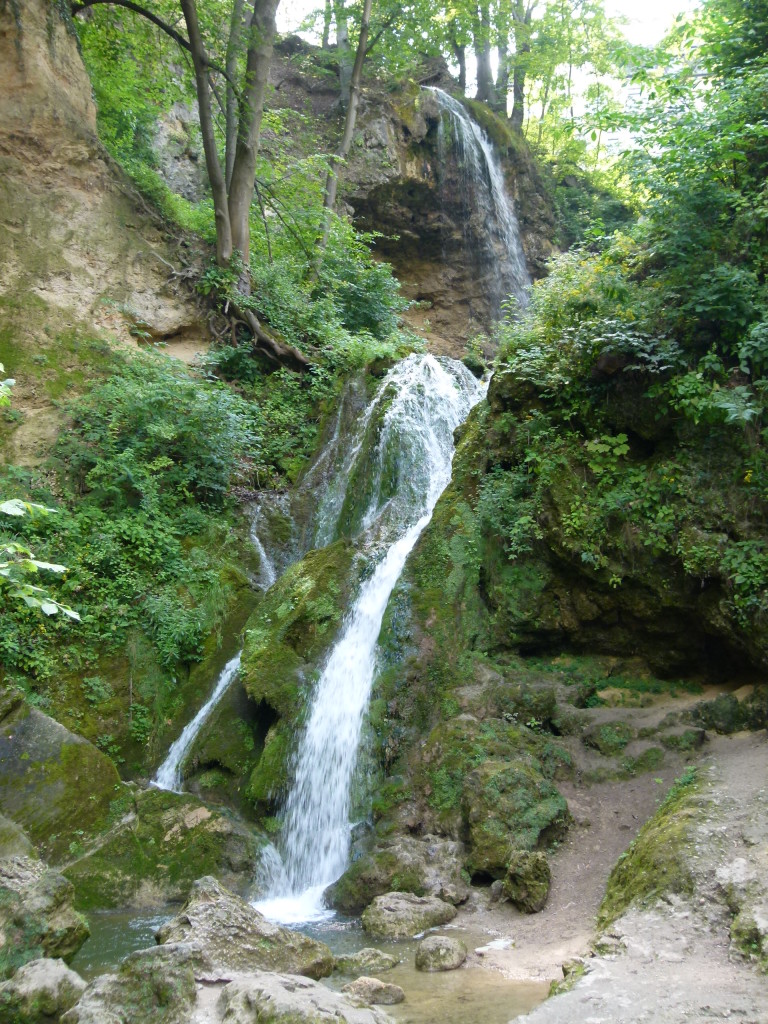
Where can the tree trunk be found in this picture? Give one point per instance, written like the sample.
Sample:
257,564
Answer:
460,52
485,89
261,35
332,181
327,18
233,51
521,17
344,52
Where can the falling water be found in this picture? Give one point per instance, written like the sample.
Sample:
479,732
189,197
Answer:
419,404
169,773
483,187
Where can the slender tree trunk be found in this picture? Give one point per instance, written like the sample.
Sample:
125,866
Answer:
261,35
521,16
332,181
233,51
502,77
224,243
327,19
485,89
460,52
344,52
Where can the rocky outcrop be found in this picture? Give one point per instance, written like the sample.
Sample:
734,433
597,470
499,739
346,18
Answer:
374,992
401,915
40,992
527,880
236,937
13,840
151,986
37,918
49,778
439,953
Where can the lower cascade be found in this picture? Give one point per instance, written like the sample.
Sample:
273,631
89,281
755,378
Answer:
418,406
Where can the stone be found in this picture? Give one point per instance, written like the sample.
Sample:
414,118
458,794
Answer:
367,959
40,992
428,866
50,778
236,937
265,998
374,992
439,953
401,915
37,918
151,986
527,880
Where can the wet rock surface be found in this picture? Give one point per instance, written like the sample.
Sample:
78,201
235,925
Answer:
236,937
366,960
399,915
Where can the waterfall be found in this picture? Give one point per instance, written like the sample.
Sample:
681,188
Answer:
400,463
168,775
482,187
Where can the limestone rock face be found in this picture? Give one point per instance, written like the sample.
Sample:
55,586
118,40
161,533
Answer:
40,992
527,880
236,937
374,992
13,841
400,915
264,998
365,961
439,953
36,915
49,777
151,986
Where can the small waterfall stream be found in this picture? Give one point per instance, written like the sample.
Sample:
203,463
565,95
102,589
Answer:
485,195
419,404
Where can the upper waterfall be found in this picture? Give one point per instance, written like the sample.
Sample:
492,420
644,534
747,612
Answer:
400,476
485,194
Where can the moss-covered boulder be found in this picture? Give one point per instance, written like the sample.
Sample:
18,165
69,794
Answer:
13,840
37,918
426,866
285,640
236,937
509,805
40,992
440,953
609,738
151,986
52,782
365,961
400,915
159,844
527,881
373,992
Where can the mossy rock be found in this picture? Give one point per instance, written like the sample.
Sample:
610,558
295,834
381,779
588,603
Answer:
657,862
54,784
609,738
508,805
40,992
370,876
13,841
160,844
269,780
527,881
725,714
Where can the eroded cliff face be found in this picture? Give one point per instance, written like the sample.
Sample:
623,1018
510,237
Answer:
79,249
398,184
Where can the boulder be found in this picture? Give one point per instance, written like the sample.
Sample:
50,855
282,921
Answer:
36,915
401,915
236,937
40,992
365,960
374,992
50,778
264,998
527,880
151,986
428,866
439,953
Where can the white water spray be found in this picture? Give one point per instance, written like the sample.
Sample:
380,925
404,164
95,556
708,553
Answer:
485,189
169,773
420,403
